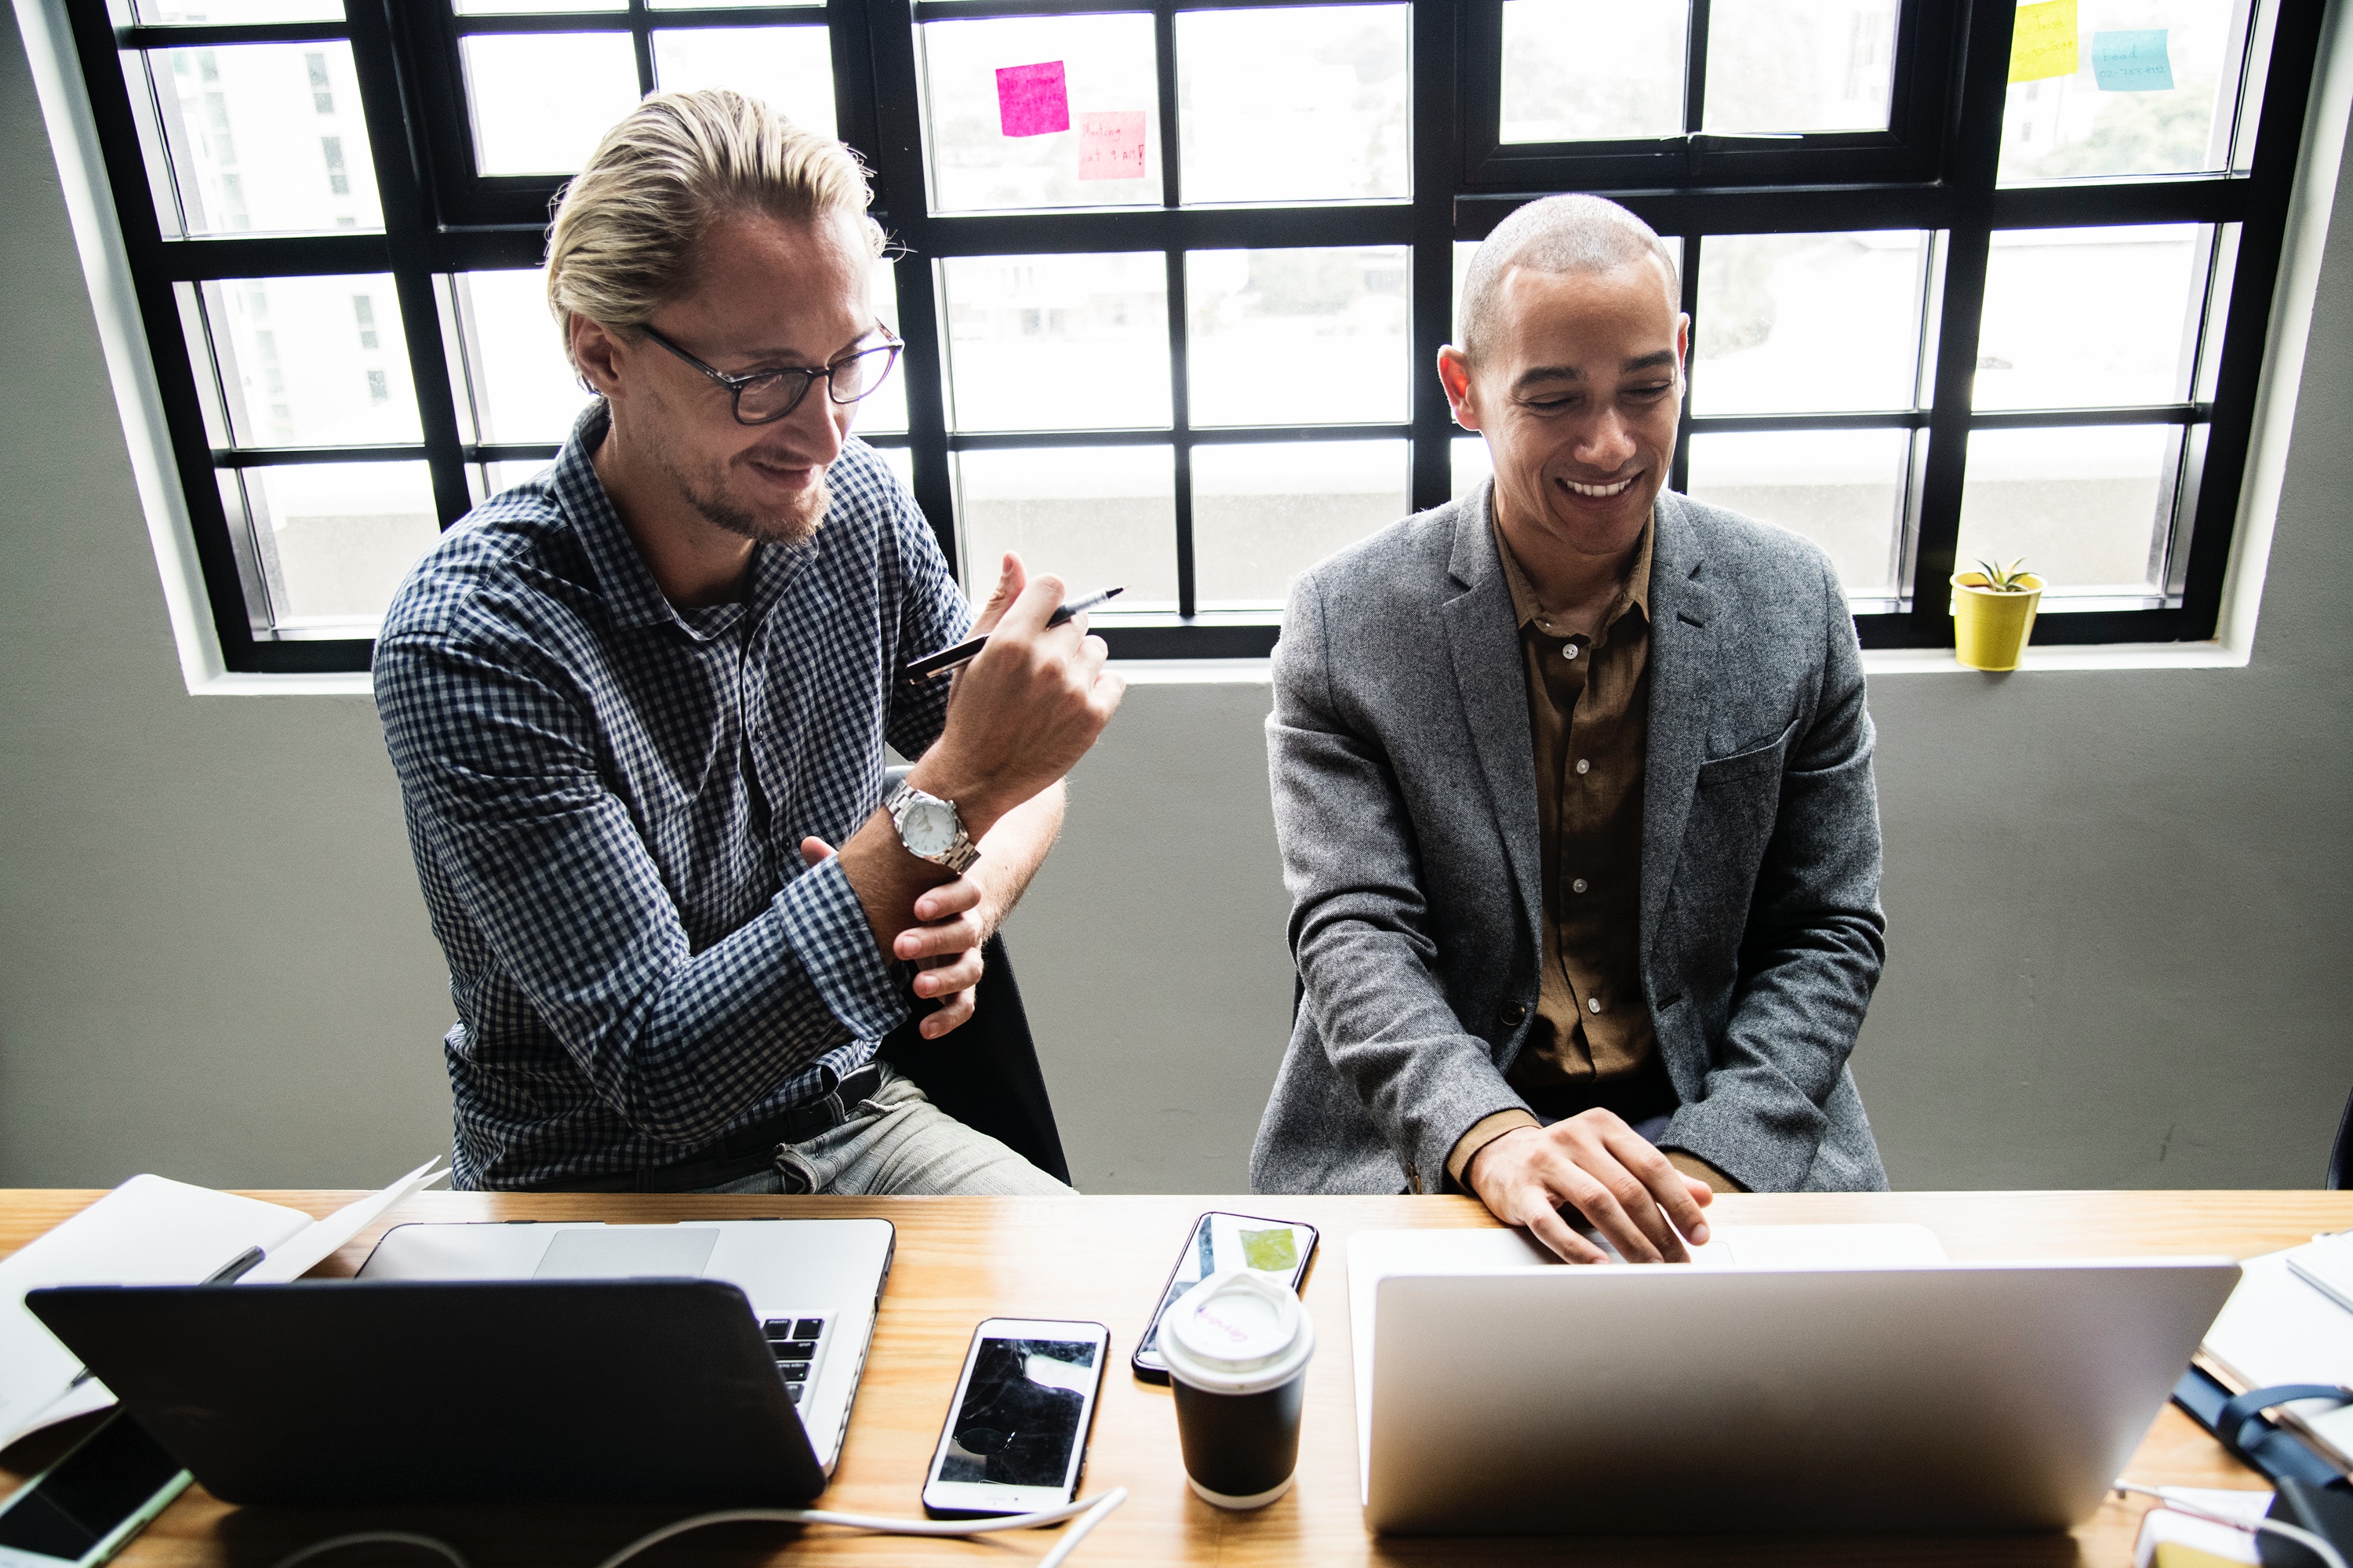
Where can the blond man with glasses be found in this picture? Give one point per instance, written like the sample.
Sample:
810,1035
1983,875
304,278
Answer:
636,703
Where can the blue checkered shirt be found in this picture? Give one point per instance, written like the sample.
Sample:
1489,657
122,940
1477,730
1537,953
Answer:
606,795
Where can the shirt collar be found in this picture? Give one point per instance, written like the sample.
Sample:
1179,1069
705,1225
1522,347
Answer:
631,594
1634,593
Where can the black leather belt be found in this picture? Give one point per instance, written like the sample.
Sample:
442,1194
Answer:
743,1152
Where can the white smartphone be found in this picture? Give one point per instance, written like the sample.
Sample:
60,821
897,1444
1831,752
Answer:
83,1509
1016,1440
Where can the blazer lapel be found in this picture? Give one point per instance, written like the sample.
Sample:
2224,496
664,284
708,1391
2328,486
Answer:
1484,639
1683,663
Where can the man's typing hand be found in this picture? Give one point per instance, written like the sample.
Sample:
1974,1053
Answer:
1608,1172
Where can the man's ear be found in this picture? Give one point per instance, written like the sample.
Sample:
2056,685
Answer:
597,354
1454,374
1683,349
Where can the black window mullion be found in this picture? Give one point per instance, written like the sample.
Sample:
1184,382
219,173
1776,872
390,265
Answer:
1180,383
1976,155
402,197
886,80
1696,69
1437,154
2271,186
159,310
641,44
1679,467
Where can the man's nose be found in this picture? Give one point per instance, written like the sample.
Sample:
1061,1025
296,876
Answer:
820,425
1607,442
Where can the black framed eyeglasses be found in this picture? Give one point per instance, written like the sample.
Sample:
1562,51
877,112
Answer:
764,396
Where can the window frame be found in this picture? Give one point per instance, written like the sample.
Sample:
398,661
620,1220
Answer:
1934,170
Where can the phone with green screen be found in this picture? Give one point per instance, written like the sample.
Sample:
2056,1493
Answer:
1279,1247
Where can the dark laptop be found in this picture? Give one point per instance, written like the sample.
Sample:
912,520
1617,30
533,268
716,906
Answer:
646,1390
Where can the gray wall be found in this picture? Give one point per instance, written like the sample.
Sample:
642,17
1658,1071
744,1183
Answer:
2116,898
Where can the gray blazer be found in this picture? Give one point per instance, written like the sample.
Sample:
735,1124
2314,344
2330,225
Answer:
1405,803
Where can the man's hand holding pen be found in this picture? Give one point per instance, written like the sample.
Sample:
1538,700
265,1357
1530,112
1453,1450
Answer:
1019,717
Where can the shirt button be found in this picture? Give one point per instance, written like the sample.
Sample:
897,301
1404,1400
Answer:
1513,1013
1583,766
1577,885
1592,1005
1570,652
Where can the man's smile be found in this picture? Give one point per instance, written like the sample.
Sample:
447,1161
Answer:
1601,492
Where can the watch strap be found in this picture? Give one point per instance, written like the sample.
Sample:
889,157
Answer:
959,855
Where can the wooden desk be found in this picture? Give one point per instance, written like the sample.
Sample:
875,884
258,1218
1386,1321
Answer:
962,1259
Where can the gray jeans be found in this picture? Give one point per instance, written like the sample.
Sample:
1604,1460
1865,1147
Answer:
897,1142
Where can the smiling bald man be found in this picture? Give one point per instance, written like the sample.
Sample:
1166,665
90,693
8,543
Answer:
1572,779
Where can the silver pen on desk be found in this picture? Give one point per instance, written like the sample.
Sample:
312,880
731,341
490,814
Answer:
964,652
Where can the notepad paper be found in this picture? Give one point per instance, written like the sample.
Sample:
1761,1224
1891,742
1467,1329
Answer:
1375,1255
2279,1326
149,1231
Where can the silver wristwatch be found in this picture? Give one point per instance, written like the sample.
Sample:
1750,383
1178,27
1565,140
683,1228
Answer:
931,829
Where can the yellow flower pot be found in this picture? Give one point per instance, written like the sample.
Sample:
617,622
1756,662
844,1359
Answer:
1989,628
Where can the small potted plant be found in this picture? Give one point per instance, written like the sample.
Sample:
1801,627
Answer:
1993,614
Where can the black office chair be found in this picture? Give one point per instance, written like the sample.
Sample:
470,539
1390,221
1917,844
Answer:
986,1074
2342,1155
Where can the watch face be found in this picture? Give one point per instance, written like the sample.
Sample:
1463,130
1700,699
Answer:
928,827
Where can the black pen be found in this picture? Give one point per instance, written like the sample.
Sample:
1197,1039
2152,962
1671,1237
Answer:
964,652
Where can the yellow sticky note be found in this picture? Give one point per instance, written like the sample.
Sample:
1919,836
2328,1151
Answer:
2044,42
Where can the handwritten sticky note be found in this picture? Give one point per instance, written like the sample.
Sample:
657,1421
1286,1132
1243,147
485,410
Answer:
1271,1252
2132,61
1111,146
2043,44
1032,100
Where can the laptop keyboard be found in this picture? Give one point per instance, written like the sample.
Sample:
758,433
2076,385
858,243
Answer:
793,1342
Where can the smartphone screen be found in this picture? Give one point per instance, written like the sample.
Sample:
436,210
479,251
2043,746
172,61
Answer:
77,1510
1280,1247
1015,1435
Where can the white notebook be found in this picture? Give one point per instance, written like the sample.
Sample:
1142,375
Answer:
151,1231
2290,1321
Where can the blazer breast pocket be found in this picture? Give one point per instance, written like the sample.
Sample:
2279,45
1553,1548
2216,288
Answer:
1764,758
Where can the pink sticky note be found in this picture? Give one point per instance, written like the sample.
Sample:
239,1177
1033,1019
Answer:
1031,100
1111,146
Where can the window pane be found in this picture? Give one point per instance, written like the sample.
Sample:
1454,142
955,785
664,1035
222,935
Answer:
1297,337
1592,70
163,13
311,362
2089,318
902,463
884,410
1472,463
791,67
541,102
1841,489
1057,342
1097,517
511,367
2150,90
1808,322
2087,508
1799,64
265,137
1040,113
721,5
1263,513
488,478
335,539
1305,103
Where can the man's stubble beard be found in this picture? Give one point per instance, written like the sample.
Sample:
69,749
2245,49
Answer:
798,525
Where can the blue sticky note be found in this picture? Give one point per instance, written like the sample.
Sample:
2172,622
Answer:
2132,61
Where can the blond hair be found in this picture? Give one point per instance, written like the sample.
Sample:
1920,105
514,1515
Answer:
1559,234
626,230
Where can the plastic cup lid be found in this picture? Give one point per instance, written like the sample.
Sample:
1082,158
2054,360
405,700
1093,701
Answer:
1237,1330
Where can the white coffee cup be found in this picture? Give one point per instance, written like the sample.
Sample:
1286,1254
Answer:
1237,1345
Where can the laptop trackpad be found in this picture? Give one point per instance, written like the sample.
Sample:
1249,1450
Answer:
625,1252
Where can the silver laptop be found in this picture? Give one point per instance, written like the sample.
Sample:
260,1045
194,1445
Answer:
814,1284
1798,1382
